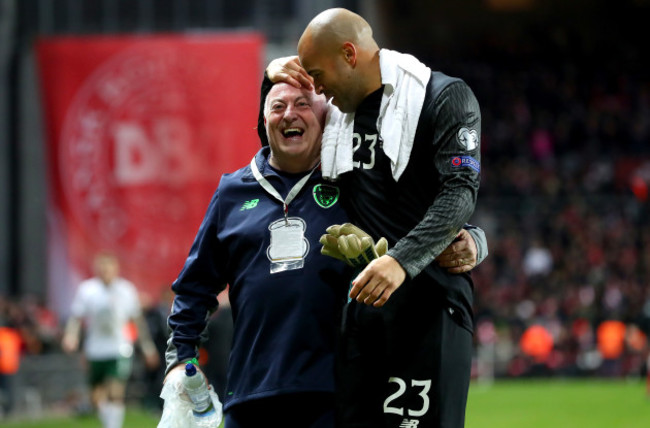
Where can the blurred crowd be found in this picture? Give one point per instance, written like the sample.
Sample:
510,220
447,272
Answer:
564,202
37,327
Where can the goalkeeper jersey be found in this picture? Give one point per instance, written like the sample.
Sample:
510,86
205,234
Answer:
285,323
421,213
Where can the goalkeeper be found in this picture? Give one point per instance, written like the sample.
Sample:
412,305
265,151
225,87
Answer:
403,142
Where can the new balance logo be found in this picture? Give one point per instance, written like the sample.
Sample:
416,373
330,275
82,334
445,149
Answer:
249,205
409,423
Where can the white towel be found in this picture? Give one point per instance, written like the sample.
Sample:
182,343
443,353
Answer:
405,80
336,149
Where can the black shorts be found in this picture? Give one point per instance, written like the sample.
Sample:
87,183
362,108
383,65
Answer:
407,364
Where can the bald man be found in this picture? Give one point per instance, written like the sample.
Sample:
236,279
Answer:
413,177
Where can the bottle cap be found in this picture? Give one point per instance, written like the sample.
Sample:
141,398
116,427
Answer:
190,370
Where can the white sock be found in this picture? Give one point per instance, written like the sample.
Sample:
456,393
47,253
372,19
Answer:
118,415
115,415
103,410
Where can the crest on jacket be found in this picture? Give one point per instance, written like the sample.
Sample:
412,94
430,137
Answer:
326,195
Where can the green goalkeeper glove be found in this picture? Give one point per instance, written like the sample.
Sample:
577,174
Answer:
352,245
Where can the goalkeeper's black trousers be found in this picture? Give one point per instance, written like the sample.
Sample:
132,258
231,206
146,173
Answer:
407,364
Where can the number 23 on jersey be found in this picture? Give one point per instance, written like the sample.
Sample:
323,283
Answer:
364,150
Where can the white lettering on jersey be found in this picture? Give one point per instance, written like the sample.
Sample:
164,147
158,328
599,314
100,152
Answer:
401,389
357,144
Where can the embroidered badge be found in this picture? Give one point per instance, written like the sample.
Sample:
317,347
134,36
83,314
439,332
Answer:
465,161
326,195
467,138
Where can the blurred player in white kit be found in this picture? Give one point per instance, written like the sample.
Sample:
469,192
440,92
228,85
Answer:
104,305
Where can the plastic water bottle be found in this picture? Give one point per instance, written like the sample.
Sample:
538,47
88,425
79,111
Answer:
196,387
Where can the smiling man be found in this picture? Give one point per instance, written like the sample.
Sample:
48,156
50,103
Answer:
293,122
260,235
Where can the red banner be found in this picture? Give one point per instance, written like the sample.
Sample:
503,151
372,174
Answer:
140,130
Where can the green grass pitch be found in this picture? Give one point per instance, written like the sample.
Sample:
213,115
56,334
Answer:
526,403
521,403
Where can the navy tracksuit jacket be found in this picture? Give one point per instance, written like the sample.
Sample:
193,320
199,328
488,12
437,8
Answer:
285,324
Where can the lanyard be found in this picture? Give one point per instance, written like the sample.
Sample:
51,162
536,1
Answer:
273,192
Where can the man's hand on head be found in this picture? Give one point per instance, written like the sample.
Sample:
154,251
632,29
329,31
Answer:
288,69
